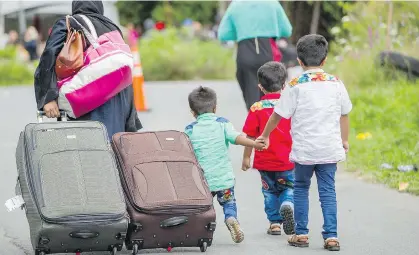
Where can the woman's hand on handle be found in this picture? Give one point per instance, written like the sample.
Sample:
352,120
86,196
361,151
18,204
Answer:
51,109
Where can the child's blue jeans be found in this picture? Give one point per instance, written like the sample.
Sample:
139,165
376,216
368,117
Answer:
227,201
325,174
278,189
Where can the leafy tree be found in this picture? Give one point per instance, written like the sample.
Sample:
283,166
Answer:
171,12
177,11
135,12
379,24
301,13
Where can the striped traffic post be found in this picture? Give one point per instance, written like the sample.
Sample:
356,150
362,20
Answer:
138,82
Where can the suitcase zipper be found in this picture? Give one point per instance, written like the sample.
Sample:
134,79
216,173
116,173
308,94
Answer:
104,130
160,210
70,219
169,210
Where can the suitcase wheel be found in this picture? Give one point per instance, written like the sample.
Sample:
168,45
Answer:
135,249
204,247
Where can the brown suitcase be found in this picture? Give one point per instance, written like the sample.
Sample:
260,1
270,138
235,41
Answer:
168,199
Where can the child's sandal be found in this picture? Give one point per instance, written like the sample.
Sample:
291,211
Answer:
332,244
274,229
298,241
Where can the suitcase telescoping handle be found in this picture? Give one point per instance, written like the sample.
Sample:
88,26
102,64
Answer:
174,222
41,114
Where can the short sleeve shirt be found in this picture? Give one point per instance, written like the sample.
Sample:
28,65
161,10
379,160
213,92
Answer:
276,157
315,102
211,136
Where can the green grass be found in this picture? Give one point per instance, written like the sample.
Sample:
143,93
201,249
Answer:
14,73
387,106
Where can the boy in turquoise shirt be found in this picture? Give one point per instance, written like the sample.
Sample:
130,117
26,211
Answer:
210,136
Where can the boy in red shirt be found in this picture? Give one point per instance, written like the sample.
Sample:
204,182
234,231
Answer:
275,168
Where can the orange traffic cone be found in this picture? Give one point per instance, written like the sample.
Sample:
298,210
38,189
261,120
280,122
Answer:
138,82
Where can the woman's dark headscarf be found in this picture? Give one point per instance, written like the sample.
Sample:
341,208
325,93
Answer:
87,7
94,11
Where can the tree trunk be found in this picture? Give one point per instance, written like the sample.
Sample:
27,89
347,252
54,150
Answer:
389,25
286,5
315,17
1,21
300,18
222,7
22,20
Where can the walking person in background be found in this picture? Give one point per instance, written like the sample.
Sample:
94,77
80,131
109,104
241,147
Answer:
13,39
254,25
118,113
31,43
133,35
289,58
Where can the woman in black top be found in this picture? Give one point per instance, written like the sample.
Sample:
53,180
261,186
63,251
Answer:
118,114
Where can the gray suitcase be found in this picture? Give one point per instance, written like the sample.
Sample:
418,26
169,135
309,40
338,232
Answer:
68,178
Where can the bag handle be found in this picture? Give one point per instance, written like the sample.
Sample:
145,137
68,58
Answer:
90,25
174,222
70,33
67,22
88,35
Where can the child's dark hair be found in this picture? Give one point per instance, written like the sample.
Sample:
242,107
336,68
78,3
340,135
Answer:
272,76
202,100
312,49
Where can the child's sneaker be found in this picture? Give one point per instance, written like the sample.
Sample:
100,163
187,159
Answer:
298,241
274,229
287,215
236,232
332,244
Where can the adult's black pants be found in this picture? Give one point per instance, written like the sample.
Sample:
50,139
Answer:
251,55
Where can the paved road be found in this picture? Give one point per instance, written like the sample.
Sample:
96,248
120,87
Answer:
372,219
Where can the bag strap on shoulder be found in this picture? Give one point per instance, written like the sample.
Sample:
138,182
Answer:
90,25
67,22
92,40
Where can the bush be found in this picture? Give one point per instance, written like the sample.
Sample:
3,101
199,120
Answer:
13,73
177,11
170,56
9,53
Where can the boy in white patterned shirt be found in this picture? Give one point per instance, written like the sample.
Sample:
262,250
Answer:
318,105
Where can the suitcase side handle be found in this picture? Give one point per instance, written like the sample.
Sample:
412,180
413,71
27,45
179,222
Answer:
173,222
84,234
